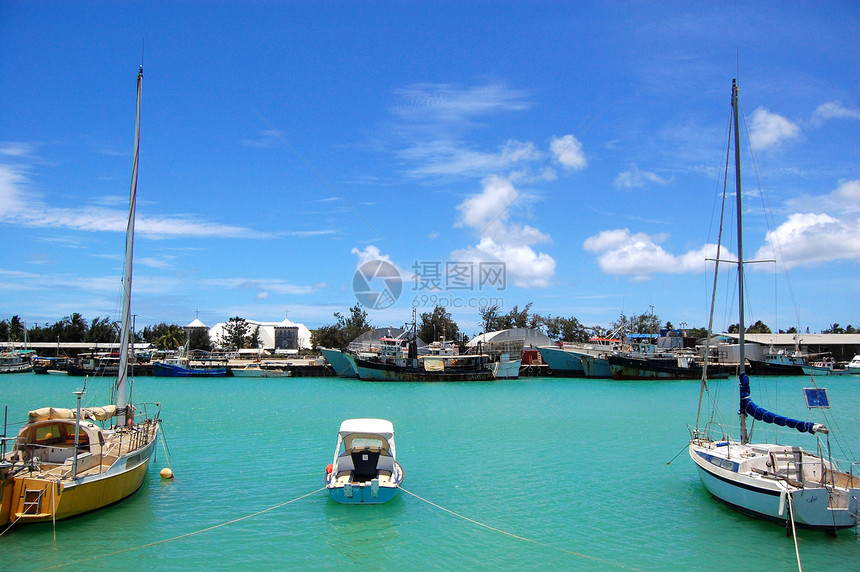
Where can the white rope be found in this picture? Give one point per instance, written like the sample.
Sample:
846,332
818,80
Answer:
793,529
512,535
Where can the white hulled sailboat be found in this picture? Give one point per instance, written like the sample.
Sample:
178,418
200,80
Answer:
781,483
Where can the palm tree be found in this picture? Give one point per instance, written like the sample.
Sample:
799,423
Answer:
172,338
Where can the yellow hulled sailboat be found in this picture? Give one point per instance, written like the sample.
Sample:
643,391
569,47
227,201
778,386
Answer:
66,462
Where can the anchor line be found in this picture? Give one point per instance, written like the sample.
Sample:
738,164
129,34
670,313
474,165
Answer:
165,447
793,529
512,535
187,534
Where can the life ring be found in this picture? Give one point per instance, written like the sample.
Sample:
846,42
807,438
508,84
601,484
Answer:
329,468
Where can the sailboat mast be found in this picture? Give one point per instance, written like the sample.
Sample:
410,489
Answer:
122,375
741,342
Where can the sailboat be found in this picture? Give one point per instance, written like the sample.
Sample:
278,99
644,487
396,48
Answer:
67,462
780,483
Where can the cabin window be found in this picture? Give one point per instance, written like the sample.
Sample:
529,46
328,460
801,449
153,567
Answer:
48,434
366,443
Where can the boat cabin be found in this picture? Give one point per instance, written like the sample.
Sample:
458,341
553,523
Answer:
52,441
365,450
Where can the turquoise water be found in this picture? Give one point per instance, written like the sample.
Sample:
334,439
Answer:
527,474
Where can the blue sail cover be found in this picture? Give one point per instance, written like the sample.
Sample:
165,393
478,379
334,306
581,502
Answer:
763,414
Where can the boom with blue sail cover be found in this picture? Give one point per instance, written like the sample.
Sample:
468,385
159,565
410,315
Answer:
762,414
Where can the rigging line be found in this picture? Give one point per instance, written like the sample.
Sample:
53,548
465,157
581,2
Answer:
186,535
704,384
323,179
771,223
512,535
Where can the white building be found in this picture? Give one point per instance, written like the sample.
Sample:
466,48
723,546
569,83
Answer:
284,337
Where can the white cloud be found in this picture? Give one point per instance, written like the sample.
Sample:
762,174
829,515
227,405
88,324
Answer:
15,149
770,129
636,178
567,150
17,208
488,214
640,255
845,199
834,110
445,158
813,239
454,105
263,285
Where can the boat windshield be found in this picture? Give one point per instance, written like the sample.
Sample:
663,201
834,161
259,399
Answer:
359,442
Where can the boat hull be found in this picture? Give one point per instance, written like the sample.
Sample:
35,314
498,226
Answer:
259,372
507,369
35,499
562,363
767,498
161,369
595,366
631,368
362,493
374,371
758,367
341,364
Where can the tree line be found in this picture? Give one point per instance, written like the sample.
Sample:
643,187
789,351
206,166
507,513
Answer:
433,325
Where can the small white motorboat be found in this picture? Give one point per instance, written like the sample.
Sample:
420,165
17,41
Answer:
364,470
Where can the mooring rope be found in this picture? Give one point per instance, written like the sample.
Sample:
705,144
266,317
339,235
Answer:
512,535
165,447
187,534
793,529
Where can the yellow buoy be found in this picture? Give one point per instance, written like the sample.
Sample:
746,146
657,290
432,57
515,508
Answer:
166,473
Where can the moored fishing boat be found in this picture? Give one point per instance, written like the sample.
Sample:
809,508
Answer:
14,362
365,468
398,360
191,366
342,365
669,367
777,482
62,463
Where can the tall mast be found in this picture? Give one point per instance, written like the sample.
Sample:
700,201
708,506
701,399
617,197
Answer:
122,376
741,367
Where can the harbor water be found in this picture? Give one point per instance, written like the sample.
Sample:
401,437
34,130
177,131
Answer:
528,474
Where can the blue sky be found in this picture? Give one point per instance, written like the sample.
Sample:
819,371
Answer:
285,143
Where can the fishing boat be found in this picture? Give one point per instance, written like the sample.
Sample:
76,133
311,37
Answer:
66,462
398,360
51,365
94,364
339,361
14,362
666,367
777,482
365,469
582,359
195,364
